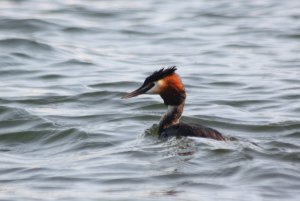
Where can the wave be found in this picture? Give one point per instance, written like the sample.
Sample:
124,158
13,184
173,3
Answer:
27,25
25,44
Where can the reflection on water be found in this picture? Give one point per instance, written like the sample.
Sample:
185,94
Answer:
65,132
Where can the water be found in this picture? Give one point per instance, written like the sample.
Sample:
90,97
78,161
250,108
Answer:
65,134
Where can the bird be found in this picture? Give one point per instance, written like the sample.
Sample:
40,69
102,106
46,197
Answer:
166,83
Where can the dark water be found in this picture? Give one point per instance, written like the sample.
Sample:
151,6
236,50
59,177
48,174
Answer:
65,134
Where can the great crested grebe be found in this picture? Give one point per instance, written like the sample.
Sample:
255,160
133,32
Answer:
168,85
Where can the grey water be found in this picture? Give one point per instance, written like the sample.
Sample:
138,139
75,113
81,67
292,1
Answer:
66,134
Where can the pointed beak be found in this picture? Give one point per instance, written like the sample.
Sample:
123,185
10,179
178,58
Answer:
142,90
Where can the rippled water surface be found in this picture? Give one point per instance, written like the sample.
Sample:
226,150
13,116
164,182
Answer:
65,134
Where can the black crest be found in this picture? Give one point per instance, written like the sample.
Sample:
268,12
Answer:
160,74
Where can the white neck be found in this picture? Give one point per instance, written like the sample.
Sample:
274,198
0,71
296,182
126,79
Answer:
171,117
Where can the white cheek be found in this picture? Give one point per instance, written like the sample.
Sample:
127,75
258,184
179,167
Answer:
154,89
